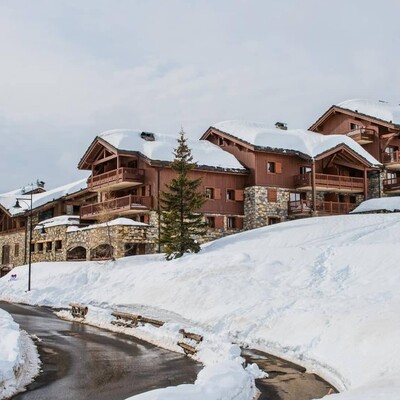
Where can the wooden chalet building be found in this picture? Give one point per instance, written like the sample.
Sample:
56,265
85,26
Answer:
294,173
376,127
130,168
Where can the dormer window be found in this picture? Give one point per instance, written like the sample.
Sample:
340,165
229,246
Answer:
354,126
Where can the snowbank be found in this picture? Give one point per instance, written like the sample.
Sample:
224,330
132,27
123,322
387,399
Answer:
19,361
390,204
320,291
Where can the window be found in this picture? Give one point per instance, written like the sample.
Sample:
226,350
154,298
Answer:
391,175
210,221
32,247
209,193
230,223
40,246
352,199
271,167
143,191
273,220
274,167
305,170
16,250
295,196
220,141
354,126
58,245
230,194
43,215
49,246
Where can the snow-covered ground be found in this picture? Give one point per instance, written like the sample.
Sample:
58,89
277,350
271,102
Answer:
320,291
19,361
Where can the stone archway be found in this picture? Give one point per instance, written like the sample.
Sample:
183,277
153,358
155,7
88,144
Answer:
102,252
77,253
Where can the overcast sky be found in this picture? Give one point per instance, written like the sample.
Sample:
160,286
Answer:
72,69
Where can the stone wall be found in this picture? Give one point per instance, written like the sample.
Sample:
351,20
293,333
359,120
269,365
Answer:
16,243
375,184
258,210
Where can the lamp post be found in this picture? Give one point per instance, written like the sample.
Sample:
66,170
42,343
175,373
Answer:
30,236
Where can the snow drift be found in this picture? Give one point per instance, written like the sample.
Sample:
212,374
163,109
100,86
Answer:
18,357
321,291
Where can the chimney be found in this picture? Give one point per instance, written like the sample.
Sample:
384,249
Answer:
281,125
148,136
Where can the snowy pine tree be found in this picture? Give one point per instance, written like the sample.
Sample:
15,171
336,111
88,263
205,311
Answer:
180,224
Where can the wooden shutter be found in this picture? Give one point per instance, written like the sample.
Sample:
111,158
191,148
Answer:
219,222
239,223
272,195
278,168
239,195
217,193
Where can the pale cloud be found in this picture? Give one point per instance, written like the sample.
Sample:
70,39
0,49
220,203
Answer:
72,69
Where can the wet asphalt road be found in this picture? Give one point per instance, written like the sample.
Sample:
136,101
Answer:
287,381
82,362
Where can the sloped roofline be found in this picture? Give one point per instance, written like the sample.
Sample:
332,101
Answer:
152,162
334,108
320,156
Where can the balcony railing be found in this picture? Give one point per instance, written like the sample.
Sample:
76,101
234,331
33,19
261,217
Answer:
304,207
117,176
330,182
114,206
362,135
391,185
391,158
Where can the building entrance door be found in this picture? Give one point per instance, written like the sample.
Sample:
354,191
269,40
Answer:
5,255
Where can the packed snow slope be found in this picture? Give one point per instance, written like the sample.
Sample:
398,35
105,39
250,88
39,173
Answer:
19,360
322,291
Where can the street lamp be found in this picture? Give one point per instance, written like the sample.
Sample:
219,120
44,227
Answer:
30,236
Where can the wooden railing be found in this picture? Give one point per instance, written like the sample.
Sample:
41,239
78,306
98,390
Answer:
391,158
324,207
330,181
118,175
391,184
119,204
362,135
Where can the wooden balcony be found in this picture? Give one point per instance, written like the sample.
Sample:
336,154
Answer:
391,160
302,208
362,135
126,205
330,183
116,179
391,185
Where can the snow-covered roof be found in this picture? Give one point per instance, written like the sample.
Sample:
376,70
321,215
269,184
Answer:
390,204
59,221
161,149
115,222
302,141
376,109
8,200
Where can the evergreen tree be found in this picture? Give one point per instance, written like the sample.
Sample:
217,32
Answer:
180,223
